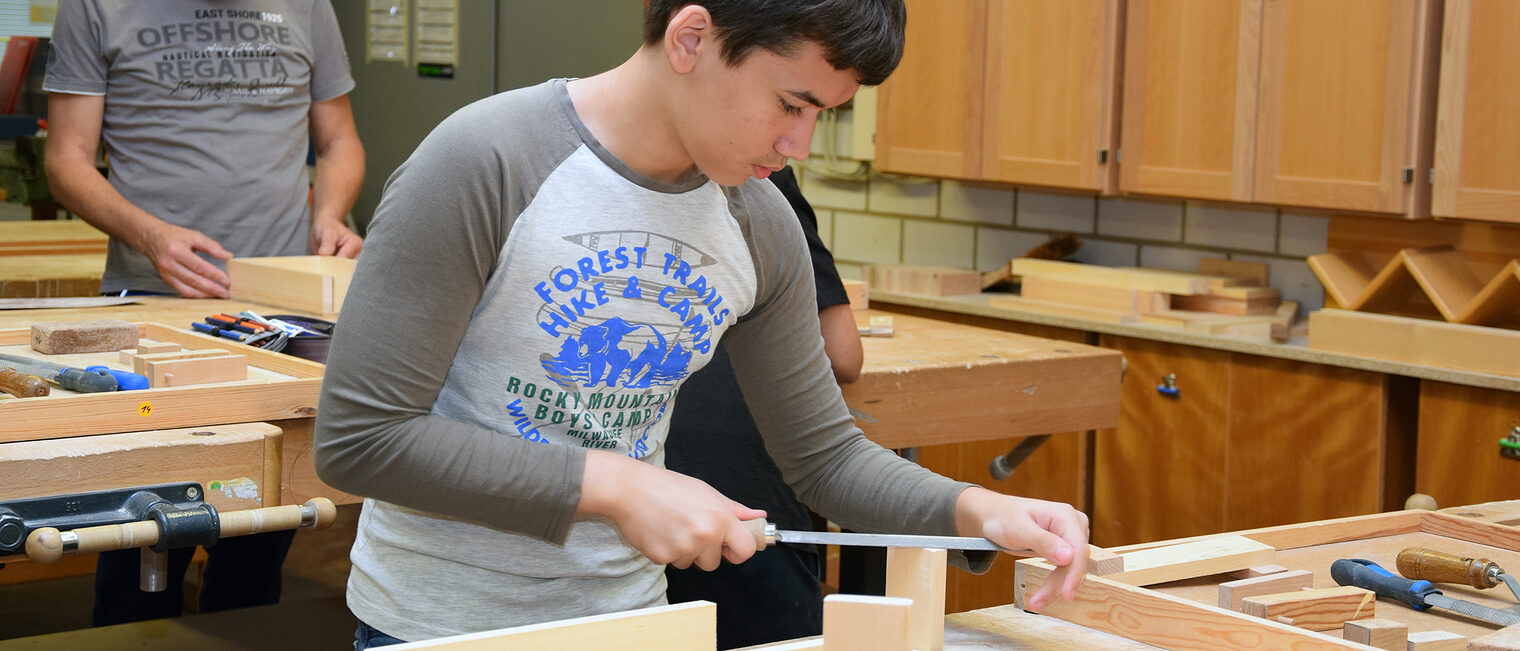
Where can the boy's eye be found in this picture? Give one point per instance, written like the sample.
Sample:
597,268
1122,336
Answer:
790,109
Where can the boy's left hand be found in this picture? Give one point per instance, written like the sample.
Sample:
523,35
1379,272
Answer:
1052,529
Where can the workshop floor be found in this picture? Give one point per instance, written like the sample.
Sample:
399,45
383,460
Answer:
55,613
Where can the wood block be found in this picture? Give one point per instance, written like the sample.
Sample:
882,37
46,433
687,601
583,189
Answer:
1378,633
914,279
1056,290
1159,280
1282,320
140,362
1436,641
1101,562
690,626
1416,341
148,348
858,292
1324,609
1063,309
1259,570
1261,300
68,337
1192,559
1232,593
1504,639
314,283
919,575
1257,273
199,370
862,623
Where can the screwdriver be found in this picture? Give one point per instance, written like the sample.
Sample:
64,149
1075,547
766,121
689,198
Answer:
1441,567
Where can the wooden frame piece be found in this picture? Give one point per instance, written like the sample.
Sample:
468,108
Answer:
690,626
864,623
197,370
1436,641
311,283
1187,560
140,362
1232,593
1416,341
1323,609
918,575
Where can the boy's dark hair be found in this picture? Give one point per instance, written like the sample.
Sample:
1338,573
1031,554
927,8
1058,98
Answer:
861,35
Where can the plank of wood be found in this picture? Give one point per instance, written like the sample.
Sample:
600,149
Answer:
1163,620
1187,560
1259,570
1063,309
865,623
1258,273
304,282
858,292
1416,341
690,626
199,370
1323,609
1445,276
918,575
1377,633
918,279
1264,302
1101,562
230,456
1282,320
1232,593
1346,274
140,362
1504,639
1104,297
1159,280
1506,512
1498,300
1437,641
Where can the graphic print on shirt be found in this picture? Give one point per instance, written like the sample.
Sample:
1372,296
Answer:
626,320
222,55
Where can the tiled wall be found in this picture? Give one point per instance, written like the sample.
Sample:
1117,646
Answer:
948,223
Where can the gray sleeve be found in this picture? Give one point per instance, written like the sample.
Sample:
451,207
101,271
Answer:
76,61
777,353
436,236
330,76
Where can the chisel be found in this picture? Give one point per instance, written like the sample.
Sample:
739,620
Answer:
73,379
22,385
1418,595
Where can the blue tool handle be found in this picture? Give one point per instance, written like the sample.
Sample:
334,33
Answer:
125,380
83,381
213,330
1368,575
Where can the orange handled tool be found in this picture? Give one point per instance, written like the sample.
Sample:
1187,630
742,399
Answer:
1441,567
22,385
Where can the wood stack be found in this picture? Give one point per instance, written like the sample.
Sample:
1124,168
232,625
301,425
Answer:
917,279
1230,301
50,238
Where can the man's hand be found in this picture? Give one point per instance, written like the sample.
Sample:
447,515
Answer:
173,252
333,237
671,518
1052,529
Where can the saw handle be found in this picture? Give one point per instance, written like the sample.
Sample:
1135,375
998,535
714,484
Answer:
1441,567
46,545
22,385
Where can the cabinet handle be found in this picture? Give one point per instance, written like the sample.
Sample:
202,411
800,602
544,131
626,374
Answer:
1168,386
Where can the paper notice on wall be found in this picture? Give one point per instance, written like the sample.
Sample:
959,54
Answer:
437,32
386,34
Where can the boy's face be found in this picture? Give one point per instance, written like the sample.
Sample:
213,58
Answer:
747,120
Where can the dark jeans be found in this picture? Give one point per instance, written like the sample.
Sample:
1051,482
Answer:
772,596
241,571
366,637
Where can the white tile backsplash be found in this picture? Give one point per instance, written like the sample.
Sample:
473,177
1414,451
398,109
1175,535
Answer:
1107,253
1171,257
1055,212
825,192
968,202
859,237
1141,220
996,246
938,244
903,196
826,227
1252,229
1303,235
1294,279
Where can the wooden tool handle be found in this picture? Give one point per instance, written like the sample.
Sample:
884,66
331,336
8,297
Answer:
756,528
22,385
1440,567
46,545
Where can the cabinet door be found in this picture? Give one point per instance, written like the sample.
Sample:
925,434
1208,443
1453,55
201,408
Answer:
1161,473
1190,77
1050,92
1460,427
1340,104
1477,165
929,112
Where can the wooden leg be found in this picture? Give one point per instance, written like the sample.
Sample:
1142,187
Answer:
862,623
919,574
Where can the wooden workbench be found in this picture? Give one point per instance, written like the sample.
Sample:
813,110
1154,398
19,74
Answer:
50,259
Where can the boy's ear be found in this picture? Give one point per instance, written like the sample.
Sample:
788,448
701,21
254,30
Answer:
688,36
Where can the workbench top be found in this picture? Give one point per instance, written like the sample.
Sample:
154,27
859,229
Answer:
168,310
1296,349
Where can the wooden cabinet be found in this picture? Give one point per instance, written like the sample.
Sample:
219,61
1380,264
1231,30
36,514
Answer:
1293,102
1460,427
1012,91
1248,441
1477,168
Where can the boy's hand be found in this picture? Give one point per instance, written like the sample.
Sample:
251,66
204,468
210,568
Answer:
1052,529
671,518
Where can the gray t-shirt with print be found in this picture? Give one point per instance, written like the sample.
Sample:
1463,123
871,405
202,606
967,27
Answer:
523,297
206,107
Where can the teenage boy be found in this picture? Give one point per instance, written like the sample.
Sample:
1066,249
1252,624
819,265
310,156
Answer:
543,273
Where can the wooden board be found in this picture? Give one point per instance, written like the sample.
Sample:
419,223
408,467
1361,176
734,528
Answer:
1416,341
1232,593
1158,280
690,626
936,382
1188,560
51,276
304,282
1056,290
1063,309
66,237
916,279
1317,609
278,387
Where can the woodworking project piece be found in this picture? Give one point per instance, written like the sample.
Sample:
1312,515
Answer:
312,283
919,575
140,361
1416,341
1187,560
913,279
1232,593
1062,309
197,370
148,348
690,626
70,337
1436,641
1504,639
1118,299
1237,301
1157,280
1438,274
859,294
1378,633
1252,274
1259,570
1324,609
1101,562
862,623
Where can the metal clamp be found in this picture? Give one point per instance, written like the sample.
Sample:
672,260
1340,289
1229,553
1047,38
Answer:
1168,386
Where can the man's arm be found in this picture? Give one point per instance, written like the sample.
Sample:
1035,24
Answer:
340,171
73,134
841,342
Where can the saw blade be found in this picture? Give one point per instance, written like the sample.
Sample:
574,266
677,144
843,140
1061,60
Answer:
890,540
